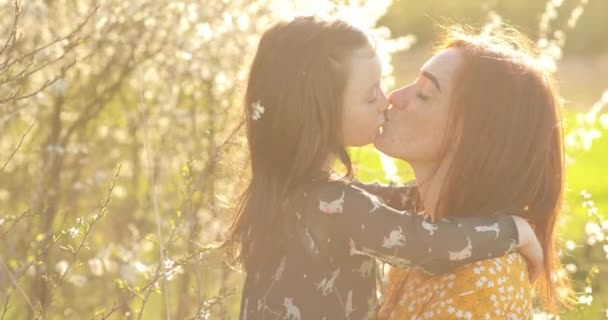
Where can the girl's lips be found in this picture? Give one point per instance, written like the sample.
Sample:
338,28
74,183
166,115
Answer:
383,125
381,119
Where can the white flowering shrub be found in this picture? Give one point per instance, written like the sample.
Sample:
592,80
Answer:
118,117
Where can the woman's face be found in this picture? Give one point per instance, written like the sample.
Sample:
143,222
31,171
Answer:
364,101
417,120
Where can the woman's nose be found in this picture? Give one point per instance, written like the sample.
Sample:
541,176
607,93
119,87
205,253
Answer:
398,98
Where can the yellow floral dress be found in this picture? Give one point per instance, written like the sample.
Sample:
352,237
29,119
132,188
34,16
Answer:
489,289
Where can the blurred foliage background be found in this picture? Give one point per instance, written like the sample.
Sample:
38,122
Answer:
121,151
588,37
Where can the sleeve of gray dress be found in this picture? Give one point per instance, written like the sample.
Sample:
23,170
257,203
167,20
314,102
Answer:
399,196
403,238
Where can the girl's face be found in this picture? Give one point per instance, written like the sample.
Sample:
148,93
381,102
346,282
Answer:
364,101
417,121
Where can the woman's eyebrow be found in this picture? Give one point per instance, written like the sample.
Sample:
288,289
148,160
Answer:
431,77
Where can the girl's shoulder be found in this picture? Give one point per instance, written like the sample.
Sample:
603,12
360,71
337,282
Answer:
335,193
332,187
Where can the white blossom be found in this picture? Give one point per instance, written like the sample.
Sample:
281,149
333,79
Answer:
257,111
74,232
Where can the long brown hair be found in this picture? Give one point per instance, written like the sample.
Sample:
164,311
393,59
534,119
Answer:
505,115
293,112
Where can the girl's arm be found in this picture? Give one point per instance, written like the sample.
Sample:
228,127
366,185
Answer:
398,196
365,225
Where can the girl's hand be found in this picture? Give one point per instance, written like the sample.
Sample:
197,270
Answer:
530,248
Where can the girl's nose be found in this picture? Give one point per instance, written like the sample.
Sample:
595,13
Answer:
383,105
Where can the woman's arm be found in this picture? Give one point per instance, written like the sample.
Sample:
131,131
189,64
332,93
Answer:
401,238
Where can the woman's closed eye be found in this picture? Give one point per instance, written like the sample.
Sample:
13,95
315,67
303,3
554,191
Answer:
422,96
422,89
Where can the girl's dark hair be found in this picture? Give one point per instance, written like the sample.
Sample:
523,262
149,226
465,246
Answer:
293,109
505,115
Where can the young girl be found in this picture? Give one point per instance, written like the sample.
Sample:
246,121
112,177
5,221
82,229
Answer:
306,241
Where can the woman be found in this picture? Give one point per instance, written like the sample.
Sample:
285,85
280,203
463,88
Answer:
482,131
307,241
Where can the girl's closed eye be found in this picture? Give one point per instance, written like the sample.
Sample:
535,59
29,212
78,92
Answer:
373,98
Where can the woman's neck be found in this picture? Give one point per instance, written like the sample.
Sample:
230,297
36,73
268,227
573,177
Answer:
430,179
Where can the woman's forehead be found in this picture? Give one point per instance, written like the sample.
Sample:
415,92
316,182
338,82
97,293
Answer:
444,65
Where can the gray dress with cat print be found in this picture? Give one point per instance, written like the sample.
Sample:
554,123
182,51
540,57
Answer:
338,230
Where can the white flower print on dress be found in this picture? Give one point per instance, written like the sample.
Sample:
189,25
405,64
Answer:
312,245
375,203
332,206
326,285
491,228
512,246
498,265
480,283
430,227
462,254
395,239
478,270
353,247
472,288
348,309
291,311
258,111
365,270
280,269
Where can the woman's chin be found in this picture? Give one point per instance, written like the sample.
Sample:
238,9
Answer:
384,144
380,143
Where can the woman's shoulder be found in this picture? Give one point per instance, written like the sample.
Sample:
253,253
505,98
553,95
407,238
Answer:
493,289
510,263
509,268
